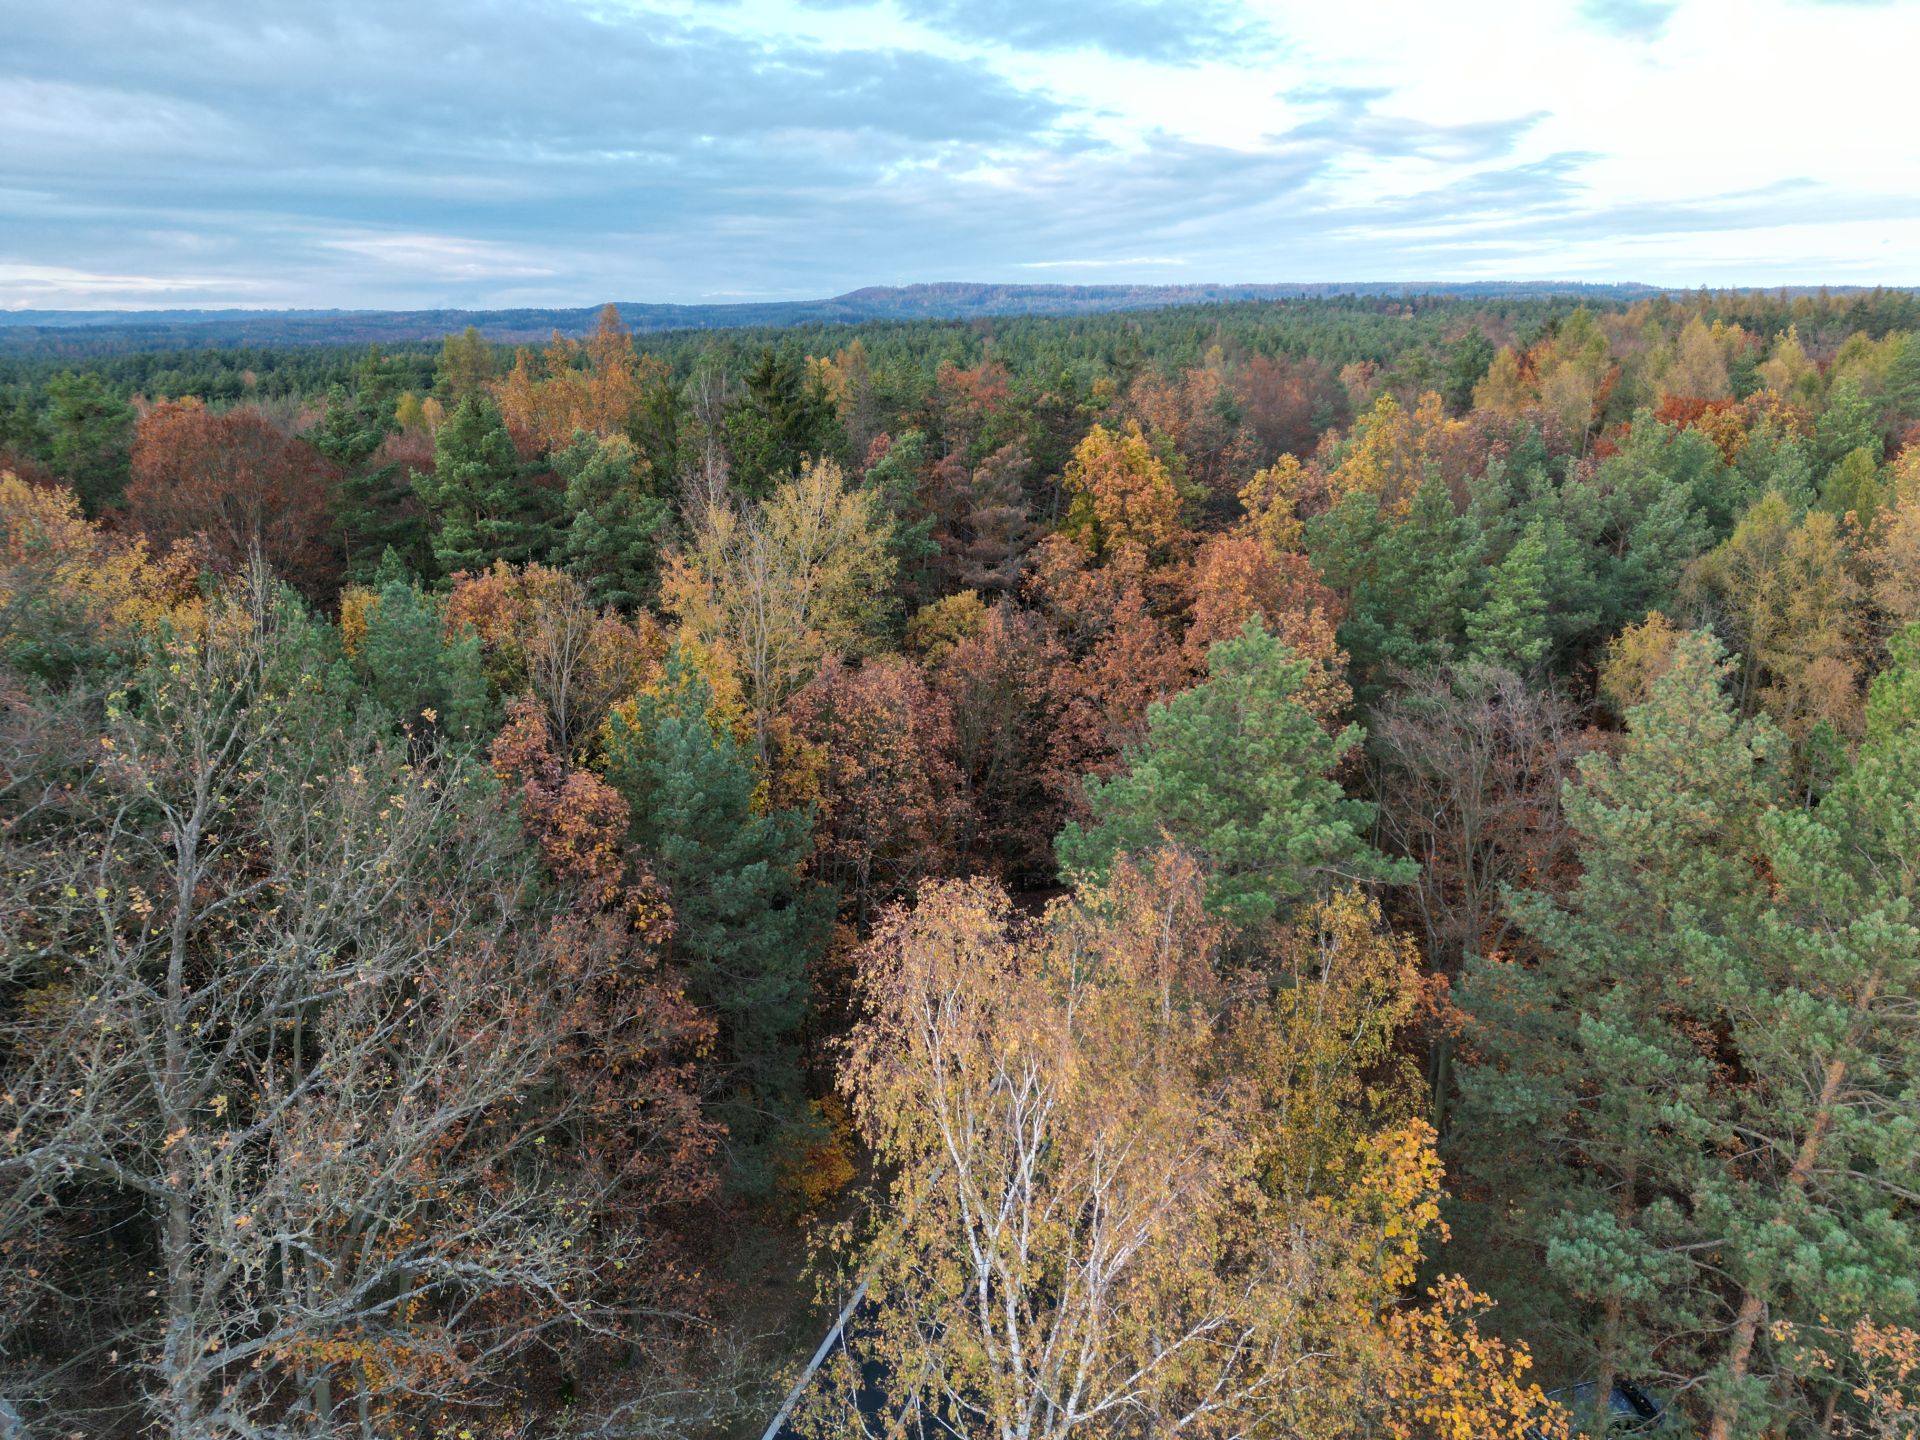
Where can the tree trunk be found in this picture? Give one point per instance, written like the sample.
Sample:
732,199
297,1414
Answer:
1746,1325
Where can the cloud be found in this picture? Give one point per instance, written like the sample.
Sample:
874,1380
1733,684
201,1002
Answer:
500,152
1630,19
1351,124
1178,31
1128,263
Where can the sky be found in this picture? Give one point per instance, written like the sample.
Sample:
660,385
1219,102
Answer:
468,153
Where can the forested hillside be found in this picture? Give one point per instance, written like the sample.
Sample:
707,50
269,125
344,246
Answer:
69,334
1307,868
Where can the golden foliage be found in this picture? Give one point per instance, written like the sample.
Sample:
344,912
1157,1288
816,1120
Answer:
1390,452
1635,658
1122,495
111,589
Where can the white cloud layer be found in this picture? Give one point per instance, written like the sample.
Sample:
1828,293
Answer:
501,152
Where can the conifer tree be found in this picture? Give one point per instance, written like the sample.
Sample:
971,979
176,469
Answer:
745,922
1237,772
1509,627
1410,583
1816,994
1597,1096
613,539
410,669
486,511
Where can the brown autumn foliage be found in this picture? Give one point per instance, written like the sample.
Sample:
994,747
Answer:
1287,405
980,521
966,399
872,746
1200,413
239,486
1234,577
1003,686
1469,768
540,632
631,1039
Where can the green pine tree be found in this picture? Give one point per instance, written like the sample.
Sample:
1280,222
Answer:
1410,582
418,678
479,495
614,537
1589,1105
1467,365
1237,772
1510,628
1816,996
745,921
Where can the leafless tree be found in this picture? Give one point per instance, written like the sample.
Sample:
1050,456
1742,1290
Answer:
1468,764
275,1013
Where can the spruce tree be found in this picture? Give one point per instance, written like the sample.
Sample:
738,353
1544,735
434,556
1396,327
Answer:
1237,772
485,508
90,430
745,921
614,536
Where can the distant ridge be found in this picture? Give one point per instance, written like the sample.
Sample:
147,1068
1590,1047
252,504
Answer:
83,331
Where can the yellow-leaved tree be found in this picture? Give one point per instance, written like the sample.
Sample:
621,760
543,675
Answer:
770,590
1134,1195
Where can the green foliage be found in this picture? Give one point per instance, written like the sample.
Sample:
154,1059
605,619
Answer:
409,670
1671,1207
1238,773
1467,365
746,923
1590,1106
617,523
783,418
1509,626
1850,422
1853,486
90,434
895,479
1411,582
480,497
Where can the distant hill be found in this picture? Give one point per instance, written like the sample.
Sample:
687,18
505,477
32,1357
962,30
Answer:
83,332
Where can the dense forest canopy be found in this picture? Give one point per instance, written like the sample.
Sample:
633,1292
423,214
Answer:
1309,867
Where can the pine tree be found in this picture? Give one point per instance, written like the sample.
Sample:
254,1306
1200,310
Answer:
1410,583
1467,366
745,922
410,670
613,539
1850,422
486,510
1237,772
1816,994
1599,1103
1509,627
